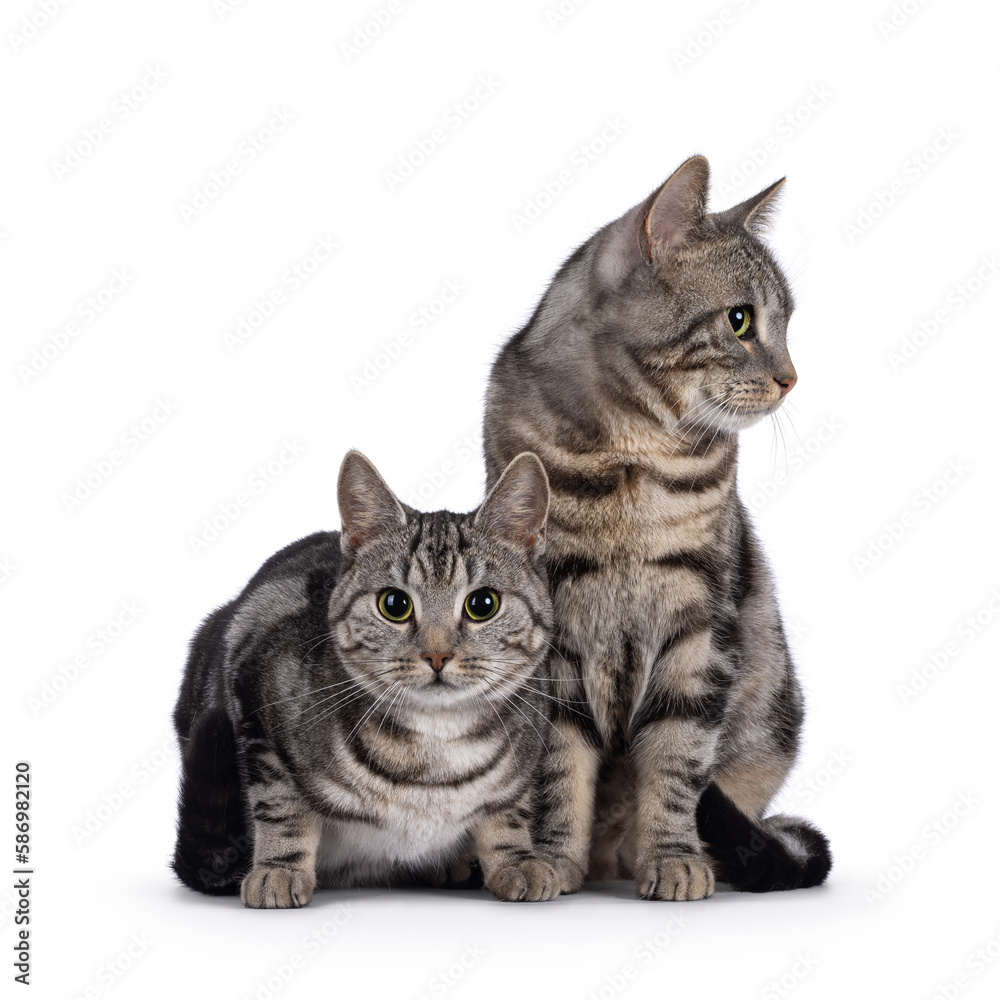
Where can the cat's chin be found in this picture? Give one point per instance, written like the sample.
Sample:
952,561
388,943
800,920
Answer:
732,421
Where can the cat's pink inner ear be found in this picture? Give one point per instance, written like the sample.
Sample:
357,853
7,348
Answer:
678,208
367,505
517,505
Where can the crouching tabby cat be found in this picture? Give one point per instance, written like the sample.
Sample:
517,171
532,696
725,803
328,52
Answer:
367,711
657,341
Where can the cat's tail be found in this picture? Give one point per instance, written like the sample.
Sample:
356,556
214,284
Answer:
778,852
213,850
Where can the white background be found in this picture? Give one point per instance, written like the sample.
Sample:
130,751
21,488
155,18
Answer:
908,904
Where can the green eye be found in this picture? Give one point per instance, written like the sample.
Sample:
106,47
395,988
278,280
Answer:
395,605
740,318
482,604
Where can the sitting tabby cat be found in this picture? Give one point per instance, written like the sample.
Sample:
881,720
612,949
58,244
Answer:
368,710
657,341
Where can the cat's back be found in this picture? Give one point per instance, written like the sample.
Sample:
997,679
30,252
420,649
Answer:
294,581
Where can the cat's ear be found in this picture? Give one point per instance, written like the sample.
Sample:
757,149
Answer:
755,213
517,505
367,506
677,208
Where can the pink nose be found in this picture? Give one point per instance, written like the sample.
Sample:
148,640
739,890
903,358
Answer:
786,383
437,660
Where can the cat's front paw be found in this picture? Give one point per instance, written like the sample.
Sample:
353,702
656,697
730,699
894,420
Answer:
525,881
267,888
571,875
681,877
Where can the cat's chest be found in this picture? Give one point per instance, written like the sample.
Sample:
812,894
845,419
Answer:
619,627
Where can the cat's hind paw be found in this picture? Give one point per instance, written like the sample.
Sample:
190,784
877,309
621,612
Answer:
681,877
270,888
531,880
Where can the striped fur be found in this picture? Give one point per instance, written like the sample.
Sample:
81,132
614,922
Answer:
631,385
322,747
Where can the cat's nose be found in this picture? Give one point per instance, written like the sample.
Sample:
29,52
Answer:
437,660
785,383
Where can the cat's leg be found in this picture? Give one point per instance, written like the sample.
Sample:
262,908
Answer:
615,802
678,733
512,870
286,835
567,781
